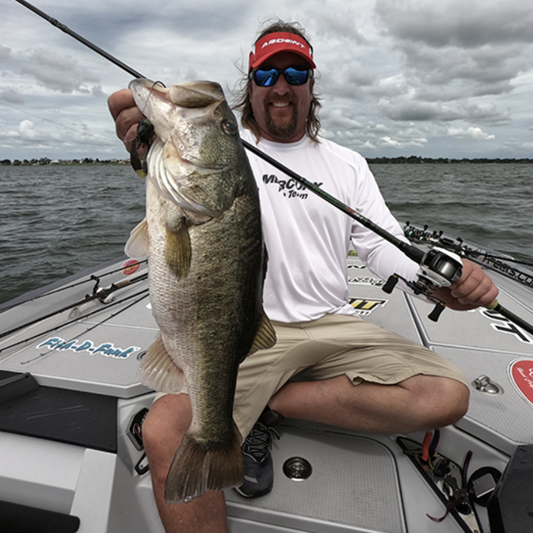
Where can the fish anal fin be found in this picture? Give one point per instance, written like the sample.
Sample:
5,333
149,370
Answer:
178,248
138,243
265,336
158,371
197,468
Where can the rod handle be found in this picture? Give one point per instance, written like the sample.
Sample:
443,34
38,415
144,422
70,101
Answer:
511,316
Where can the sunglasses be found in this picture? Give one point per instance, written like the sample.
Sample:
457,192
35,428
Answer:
292,75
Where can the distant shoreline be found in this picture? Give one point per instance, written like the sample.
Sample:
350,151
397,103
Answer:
46,161
443,160
411,160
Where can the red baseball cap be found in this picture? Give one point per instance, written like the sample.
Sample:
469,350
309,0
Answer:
274,43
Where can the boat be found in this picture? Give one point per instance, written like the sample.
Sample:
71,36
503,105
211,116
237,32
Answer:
71,412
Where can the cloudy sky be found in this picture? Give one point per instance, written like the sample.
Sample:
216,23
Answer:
397,77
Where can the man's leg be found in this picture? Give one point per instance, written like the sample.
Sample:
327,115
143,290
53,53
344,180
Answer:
417,403
164,427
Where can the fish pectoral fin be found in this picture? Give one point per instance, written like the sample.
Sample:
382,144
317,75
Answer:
265,336
138,243
199,467
178,248
158,371
196,218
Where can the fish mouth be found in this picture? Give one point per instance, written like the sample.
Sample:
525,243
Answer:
188,101
177,153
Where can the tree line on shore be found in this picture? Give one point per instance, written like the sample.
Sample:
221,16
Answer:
402,160
442,160
47,161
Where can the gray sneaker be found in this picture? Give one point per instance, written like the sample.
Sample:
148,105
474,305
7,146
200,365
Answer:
257,459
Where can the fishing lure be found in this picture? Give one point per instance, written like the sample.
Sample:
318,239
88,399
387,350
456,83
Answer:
145,137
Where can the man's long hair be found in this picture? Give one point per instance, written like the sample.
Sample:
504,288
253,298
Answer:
312,125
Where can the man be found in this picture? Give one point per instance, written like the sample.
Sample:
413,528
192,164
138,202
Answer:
351,374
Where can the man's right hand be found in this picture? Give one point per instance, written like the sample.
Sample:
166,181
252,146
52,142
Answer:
126,115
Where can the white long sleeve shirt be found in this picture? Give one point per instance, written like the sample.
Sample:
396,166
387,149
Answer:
308,239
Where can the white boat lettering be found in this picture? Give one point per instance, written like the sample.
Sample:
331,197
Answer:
506,326
357,267
527,379
107,349
362,280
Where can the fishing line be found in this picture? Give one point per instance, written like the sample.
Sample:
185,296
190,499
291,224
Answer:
42,355
81,39
150,93
62,126
97,295
61,289
411,251
144,292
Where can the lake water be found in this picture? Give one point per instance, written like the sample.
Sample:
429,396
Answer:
58,220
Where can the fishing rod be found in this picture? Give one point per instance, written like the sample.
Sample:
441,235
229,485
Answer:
99,293
9,305
143,293
438,267
411,251
79,38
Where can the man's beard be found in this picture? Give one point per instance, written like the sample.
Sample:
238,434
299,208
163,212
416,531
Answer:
281,131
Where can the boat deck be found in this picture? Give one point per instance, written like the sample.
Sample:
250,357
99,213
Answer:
359,482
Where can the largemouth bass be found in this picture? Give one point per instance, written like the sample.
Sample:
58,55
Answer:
202,235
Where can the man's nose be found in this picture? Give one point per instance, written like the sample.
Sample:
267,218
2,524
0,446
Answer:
281,87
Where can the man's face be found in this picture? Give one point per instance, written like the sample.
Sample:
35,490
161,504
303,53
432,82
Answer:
281,110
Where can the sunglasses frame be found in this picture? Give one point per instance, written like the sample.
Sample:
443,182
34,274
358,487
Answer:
309,71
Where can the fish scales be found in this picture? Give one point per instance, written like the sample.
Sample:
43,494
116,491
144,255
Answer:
202,235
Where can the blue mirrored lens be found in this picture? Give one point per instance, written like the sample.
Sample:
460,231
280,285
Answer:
268,78
295,76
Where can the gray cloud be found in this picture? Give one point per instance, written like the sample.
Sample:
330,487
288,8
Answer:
408,108
60,73
338,24
457,23
396,76
5,52
487,70
12,96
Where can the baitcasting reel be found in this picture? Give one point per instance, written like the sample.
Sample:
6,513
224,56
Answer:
438,268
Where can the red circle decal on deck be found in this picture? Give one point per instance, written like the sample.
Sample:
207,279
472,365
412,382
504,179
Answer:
130,267
522,376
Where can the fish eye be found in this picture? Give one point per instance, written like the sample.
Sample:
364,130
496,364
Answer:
229,127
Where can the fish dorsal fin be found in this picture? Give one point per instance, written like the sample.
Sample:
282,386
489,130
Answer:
265,336
178,248
138,243
158,371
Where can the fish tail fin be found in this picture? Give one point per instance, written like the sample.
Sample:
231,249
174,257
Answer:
197,468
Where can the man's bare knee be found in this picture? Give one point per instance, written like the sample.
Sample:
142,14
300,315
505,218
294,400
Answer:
440,401
163,428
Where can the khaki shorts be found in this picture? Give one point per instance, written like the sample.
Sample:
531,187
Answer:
329,347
